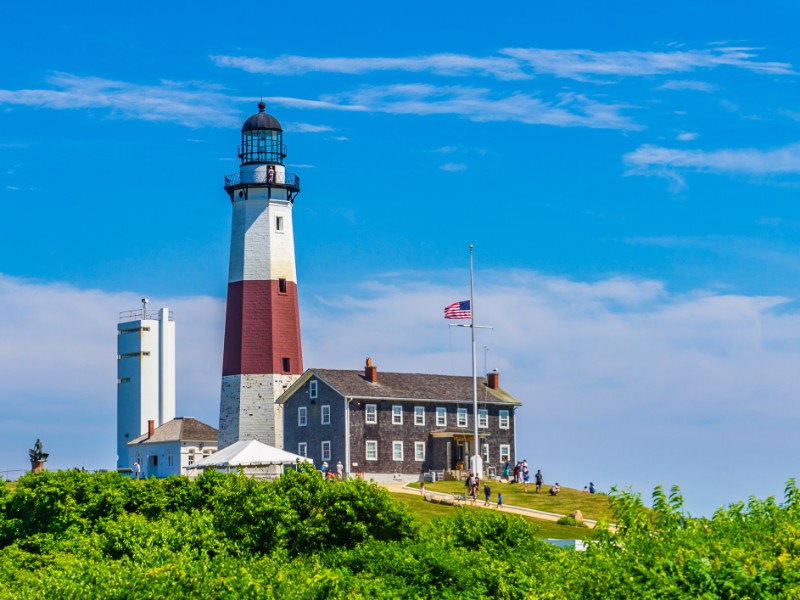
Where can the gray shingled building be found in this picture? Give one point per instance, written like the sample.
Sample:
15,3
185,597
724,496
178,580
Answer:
392,426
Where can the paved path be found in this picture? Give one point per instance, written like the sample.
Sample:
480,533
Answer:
401,488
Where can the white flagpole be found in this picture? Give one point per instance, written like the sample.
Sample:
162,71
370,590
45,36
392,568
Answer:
475,448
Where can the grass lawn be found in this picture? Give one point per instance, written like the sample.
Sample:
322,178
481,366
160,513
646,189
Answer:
593,506
425,511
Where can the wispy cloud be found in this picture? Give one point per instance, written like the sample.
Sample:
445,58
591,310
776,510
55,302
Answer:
583,65
453,167
667,162
687,84
476,104
519,63
440,64
686,136
306,128
194,104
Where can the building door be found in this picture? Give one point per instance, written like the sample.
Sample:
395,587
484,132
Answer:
152,465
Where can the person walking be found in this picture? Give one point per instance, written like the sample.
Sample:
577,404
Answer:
499,501
539,478
526,477
487,492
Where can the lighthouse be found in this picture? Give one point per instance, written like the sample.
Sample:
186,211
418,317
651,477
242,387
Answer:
262,356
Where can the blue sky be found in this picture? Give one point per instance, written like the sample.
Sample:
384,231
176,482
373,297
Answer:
628,175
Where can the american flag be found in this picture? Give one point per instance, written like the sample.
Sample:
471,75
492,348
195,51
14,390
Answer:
458,310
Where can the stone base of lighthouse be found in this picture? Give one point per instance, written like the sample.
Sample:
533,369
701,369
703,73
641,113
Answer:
248,410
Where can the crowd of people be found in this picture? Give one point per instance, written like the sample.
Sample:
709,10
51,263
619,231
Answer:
473,483
521,474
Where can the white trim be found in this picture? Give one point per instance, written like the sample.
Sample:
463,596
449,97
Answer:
419,411
443,415
374,408
507,453
395,446
313,389
323,413
322,449
302,416
483,418
302,449
417,446
459,413
505,415
397,411
366,449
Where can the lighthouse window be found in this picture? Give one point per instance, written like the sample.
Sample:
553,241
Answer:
281,286
286,365
278,223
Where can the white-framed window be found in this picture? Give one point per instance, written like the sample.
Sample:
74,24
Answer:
419,451
419,415
278,223
191,456
372,450
371,410
504,419
313,389
397,415
441,416
505,452
302,449
326,450
302,416
397,450
325,413
462,417
485,452
483,417
169,457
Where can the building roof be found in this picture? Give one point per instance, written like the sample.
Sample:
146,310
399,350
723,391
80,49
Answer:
180,429
412,386
249,453
261,120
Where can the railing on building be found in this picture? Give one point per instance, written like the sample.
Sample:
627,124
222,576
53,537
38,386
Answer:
276,178
142,315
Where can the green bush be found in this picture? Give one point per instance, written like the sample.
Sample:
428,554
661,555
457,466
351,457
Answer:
77,535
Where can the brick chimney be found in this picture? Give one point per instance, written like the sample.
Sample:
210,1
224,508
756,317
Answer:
151,425
493,379
371,371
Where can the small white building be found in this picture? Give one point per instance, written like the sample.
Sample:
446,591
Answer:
173,447
145,374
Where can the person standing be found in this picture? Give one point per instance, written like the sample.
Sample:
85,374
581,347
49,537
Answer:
487,492
339,470
539,478
526,477
137,469
591,488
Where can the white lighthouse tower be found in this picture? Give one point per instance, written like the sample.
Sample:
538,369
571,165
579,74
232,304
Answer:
145,374
262,354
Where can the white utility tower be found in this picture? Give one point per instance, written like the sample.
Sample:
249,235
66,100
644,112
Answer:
145,374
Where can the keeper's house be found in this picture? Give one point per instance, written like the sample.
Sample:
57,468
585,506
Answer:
397,426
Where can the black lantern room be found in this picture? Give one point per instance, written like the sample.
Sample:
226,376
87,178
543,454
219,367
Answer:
262,139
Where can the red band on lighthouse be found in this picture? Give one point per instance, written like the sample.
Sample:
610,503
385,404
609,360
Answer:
262,329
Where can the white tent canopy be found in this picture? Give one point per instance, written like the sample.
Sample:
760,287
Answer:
248,454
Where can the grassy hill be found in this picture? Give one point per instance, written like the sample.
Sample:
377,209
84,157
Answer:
425,511
593,506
